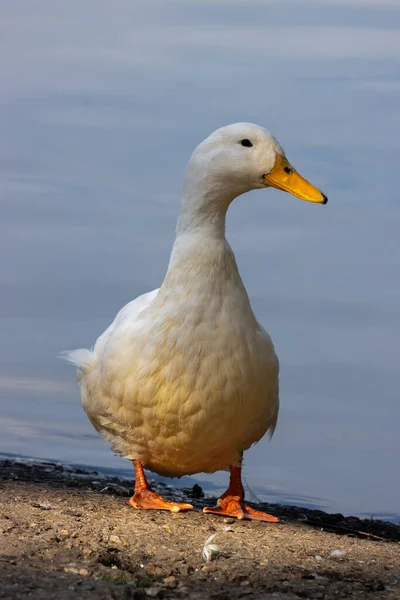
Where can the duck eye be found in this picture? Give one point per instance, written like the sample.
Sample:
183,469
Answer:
288,170
246,143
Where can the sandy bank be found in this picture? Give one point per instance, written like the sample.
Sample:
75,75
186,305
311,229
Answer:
71,534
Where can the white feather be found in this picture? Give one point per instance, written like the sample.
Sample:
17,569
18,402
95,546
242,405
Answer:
80,358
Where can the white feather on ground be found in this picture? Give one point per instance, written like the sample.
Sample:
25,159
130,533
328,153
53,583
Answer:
210,551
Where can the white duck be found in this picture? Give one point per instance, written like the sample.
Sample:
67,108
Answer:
185,379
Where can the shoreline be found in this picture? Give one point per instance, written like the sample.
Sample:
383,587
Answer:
72,530
57,473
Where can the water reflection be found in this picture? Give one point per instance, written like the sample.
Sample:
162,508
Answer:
100,108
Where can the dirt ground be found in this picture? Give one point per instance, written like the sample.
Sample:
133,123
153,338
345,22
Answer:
67,533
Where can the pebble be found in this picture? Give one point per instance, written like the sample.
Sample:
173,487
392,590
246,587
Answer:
72,483
171,581
64,533
76,570
208,568
71,570
320,577
114,539
197,491
115,489
41,505
153,592
337,553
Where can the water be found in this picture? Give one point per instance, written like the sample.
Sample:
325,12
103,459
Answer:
100,107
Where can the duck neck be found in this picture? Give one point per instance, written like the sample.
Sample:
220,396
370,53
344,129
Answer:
200,245
202,260
203,210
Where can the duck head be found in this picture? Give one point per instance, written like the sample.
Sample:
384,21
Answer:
242,157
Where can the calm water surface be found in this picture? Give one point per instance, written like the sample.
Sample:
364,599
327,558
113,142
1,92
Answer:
100,107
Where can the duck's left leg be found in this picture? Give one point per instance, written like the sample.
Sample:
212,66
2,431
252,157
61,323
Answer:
145,498
231,503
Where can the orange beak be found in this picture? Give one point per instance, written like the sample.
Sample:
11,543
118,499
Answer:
284,177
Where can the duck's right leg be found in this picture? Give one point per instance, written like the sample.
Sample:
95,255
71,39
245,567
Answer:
146,499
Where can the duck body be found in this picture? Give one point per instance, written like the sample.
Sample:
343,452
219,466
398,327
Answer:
185,379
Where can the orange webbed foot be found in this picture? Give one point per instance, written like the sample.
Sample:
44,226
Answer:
149,500
144,497
233,506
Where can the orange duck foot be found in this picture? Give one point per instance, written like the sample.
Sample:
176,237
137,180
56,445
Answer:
146,499
233,506
149,500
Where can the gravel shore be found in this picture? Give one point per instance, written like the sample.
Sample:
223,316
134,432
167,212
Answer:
68,533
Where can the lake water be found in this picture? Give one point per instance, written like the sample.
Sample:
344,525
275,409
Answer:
100,106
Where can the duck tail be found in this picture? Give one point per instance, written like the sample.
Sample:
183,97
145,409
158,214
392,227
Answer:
82,358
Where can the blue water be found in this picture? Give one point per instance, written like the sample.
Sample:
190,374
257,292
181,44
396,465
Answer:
100,106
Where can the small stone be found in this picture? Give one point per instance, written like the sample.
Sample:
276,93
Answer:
72,483
64,532
197,491
83,572
115,489
71,570
171,581
318,557
153,592
338,553
114,539
229,521
208,568
320,577
41,505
